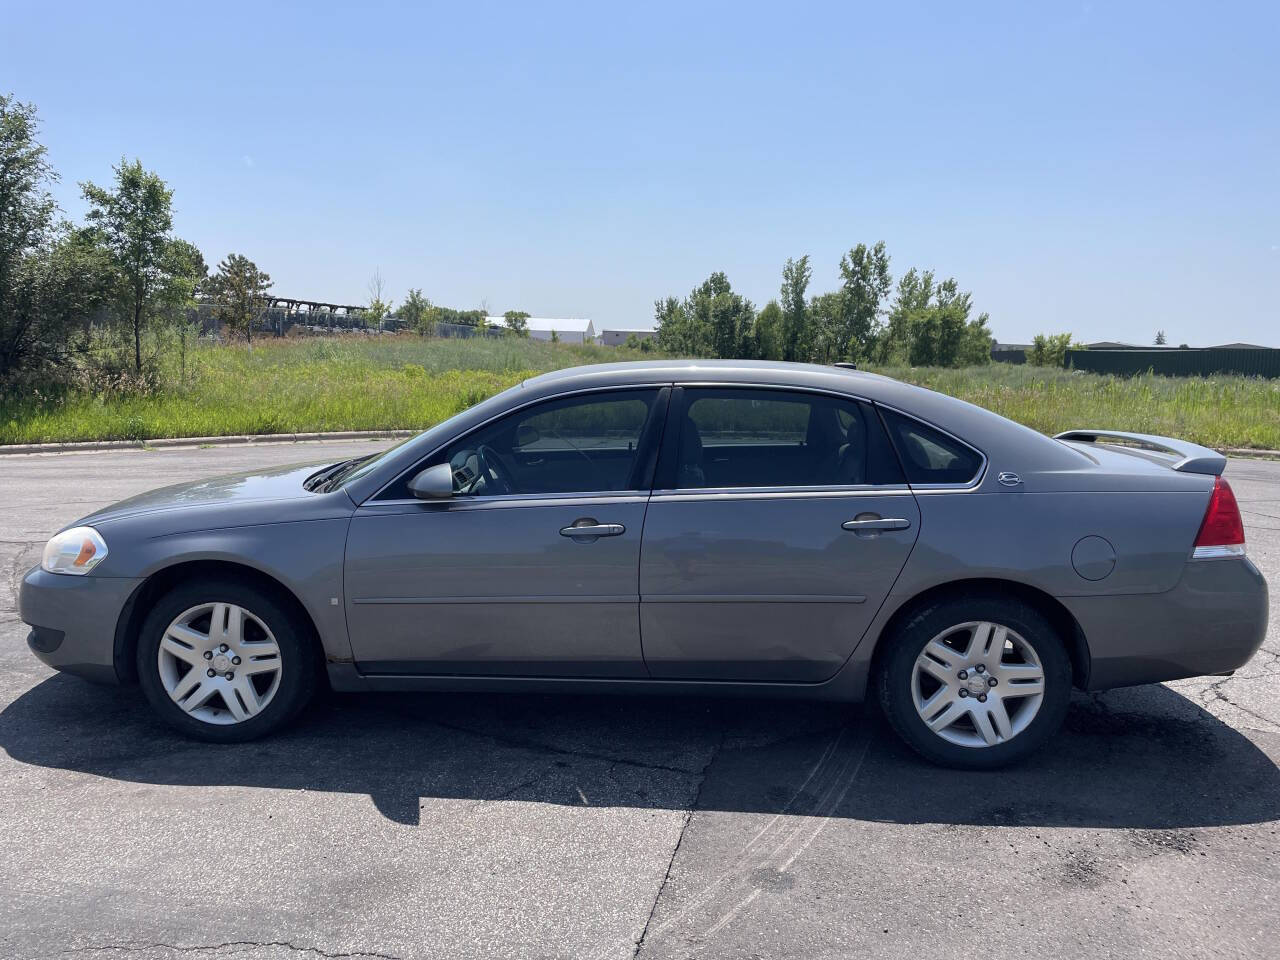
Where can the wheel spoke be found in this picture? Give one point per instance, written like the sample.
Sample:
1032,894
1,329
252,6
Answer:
978,641
1023,679
939,698
936,670
241,689
176,642
230,622
190,680
984,723
999,717
939,652
950,715
203,692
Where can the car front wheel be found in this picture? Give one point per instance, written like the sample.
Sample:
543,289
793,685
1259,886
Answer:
976,683
224,661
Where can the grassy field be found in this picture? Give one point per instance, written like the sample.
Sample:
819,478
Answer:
287,386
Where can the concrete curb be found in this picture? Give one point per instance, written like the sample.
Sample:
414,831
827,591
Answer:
93,446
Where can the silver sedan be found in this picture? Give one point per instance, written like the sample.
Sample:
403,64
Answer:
678,526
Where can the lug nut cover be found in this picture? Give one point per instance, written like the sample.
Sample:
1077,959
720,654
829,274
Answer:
991,681
982,698
211,672
208,654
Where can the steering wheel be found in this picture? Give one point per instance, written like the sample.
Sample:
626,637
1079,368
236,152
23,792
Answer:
495,469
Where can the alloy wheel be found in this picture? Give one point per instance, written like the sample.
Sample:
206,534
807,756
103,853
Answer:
219,663
977,684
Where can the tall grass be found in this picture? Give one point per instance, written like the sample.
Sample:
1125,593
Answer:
291,386
294,386
1214,411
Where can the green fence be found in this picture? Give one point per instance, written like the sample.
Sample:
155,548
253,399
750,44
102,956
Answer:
1195,362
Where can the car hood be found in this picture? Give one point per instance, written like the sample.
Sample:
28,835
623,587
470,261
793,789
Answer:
271,485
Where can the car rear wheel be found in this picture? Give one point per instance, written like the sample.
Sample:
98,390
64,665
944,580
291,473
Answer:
977,682
225,662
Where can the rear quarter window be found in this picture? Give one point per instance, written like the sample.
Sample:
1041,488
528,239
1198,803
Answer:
929,455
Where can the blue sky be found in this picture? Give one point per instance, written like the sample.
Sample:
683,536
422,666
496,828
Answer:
1107,169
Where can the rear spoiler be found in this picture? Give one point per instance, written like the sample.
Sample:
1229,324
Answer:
1191,457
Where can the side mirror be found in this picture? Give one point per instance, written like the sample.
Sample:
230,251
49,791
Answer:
433,483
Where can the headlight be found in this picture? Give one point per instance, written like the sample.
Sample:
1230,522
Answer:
75,551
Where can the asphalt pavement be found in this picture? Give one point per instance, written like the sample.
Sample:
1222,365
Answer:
458,826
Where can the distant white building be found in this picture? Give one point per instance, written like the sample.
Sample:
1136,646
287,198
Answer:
616,338
567,329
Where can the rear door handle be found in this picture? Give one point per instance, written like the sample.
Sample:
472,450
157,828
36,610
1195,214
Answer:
897,523
587,530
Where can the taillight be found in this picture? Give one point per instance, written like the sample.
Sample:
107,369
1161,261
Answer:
1221,531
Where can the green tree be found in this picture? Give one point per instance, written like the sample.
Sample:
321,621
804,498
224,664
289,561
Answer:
1161,340
712,321
517,323
133,220
379,308
796,336
767,333
675,332
1049,350
975,349
826,323
415,311
41,280
239,290
865,284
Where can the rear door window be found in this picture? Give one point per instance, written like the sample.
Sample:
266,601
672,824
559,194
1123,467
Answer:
930,456
774,438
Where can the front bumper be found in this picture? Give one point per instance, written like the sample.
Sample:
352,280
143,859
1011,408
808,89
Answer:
1212,622
73,620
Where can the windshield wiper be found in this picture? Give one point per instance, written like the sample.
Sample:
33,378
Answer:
325,473
341,471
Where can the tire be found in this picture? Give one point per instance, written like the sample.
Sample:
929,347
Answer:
937,670
273,651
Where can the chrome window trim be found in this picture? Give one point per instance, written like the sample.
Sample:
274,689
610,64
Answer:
940,487
717,493
517,500
681,494
582,391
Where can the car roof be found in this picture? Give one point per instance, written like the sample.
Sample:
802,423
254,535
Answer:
692,371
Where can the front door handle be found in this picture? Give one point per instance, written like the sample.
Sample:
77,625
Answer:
587,530
895,523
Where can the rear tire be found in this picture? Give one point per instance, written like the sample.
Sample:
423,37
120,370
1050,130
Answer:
225,662
976,682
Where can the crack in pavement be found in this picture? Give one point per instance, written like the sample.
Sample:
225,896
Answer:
1214,693
666,876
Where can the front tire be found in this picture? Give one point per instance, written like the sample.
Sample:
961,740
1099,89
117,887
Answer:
223,661
976,682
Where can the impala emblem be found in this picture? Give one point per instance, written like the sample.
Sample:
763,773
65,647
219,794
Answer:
1009,479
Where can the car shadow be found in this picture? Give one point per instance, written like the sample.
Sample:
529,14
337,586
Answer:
1143,759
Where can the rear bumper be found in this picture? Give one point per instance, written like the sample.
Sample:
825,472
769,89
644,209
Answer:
1212,622
73,620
